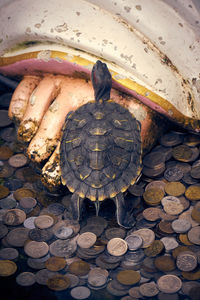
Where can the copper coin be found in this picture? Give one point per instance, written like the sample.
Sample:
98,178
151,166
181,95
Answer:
153,196
17,237
117,247
115,232
183,238
165,227
86,240
193,192
28,202
5,152
55,263
23,192
151,214
192,275
148,289
169,284
43,221
164,263
36,249
194,235
195,214
7,268
154,249
4,192
156,184
128,277
18,160
186,261
14,217
175,188
79,268
58,283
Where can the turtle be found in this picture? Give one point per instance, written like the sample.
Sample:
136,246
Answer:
101,151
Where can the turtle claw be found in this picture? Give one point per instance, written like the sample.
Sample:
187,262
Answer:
124,217
76,206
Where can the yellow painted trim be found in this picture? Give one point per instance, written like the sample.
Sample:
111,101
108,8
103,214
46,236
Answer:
189,123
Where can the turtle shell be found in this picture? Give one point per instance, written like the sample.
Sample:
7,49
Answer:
100,150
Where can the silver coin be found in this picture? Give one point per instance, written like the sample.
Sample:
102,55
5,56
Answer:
173,174
17,237
136,256
114,232
26,279
55,209
9,253
8,203
170,243
134,241
74,280
28,202
97,279
63,232
149,289
169,284
63,248
96,220
43,275
181,225
18,160
113,291
80,292
194,235
186,261
30,223
37,263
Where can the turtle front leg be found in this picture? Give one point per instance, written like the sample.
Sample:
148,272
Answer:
76,205
124,217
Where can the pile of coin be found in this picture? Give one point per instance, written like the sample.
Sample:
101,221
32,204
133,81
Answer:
157,259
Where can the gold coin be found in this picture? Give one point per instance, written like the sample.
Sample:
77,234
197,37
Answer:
22,193
193,192
55,263
164,263
174,188
184,239
7,268
58,282
153,196
5,153
79,268
154,249
178,250
195,214
182,153
128,277
4,191
194,275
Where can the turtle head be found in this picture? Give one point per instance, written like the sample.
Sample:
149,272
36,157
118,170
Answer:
101,81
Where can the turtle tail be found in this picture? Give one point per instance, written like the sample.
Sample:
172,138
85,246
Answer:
101,81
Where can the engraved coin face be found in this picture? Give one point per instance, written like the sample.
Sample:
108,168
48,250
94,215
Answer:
169,284
80,292
117,247
186,261
36,249
86,240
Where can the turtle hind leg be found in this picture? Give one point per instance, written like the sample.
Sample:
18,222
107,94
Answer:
124,217
76,206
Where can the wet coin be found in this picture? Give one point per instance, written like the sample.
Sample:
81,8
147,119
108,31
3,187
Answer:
17,237
128,277
115,232
97,279
194,235
25,279
117,247
148,289
55,263
74,280
40,235
5,152
58,282
173,174
151,214
3,230
181,225
28,202
9,253
147,235
164,263
30,222
18,160
134,241
43,221
154,249
86,240
63,248
37,263
79,268
97,229
4,191
36,249
8,203
153,160
171,139
169,284
182,153
153,196
22,193
193,192
80,292
7,268
43,275
175,188
63,232
186,261
14,217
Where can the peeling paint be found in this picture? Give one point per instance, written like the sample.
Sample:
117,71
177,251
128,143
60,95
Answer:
138,7
61,28
38,25
127,9
54,106
44,55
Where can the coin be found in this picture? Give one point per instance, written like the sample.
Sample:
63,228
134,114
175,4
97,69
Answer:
4,191
195,214
187,216
79,268
55,209
128,277
156,184
5,152
63,232
192,275
134,241
97,278
171,139
170,243
8,203
134,292
7,268
173,174
74,280
18,160
115,232
195,172
23,192
153,196
97,229
153,160
14,217
58,282
30,222
43,275
62,248
153,172
25,279
5,121
186,261
154,249
55,263
136,190
7,171
148,289
169,284
28,202
86,240
173,208
181,225
37,263
183,238
36,249
151,214
9,253
193,192
117,247
60,227
97,220
43,221
80,292
147,235
105,265
164,263
175,188
194,235
40,235
3,230
182,153
17,237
